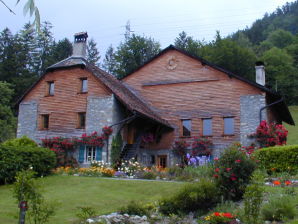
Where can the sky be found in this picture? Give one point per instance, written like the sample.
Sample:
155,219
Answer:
162,20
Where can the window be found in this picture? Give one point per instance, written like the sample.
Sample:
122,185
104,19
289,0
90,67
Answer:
207,126
81,120
162,161
90,154
51,88
186,128
84,85
228,125
45,118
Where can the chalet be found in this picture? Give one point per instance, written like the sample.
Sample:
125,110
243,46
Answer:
174,95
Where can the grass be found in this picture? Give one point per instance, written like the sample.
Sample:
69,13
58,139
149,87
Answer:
293,130
104,195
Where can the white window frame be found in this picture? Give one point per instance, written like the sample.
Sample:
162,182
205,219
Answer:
93,151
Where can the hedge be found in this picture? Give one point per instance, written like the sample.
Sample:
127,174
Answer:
14,159
279,158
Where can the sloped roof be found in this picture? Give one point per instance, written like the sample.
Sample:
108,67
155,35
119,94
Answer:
122,93
281,108
125,96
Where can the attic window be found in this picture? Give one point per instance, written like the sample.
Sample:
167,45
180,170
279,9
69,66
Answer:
84,85
51,88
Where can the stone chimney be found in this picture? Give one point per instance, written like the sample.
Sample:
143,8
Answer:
260,73
80,45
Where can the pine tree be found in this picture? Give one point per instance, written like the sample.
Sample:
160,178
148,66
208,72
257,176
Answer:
92,53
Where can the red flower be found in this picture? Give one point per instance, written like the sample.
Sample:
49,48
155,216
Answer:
228,215
215,159
228,169
237,161
276,182
217,170
215,175
216,213
287,182
233,178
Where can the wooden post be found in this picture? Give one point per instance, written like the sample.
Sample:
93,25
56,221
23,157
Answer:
23,208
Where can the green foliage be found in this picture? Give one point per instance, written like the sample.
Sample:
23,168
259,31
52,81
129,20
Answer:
85,213
279,208
232,173
116,149
293,130
26,189
14,159
19,142
92,52
195,197
278,158
253,198
135,208
282,74
280,38
130,54
7,120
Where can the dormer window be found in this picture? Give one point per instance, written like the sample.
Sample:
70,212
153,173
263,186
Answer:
84,85
51,88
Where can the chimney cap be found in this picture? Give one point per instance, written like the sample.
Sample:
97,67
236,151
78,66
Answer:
260,63
80,37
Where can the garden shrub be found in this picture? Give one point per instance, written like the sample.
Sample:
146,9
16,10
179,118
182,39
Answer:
279,208
135,208
23,141
253,198
116,150
14,159
232,173
270,134
278,158
195,197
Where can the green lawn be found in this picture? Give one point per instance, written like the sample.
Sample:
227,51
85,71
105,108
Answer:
104,195
293,130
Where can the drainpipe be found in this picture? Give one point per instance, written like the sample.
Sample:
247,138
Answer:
271,104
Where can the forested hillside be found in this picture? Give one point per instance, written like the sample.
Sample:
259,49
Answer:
24,56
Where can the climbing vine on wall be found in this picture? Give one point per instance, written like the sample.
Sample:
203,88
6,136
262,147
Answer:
64,147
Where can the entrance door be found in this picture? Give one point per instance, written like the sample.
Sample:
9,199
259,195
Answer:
162,161
131,135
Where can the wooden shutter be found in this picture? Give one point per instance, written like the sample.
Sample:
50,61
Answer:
98,153
81,153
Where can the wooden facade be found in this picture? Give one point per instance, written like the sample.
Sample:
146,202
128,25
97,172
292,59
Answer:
171,90
190,90
68,100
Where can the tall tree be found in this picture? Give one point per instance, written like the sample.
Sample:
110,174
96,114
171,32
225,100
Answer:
45,43
109,62
281,73
61,50
7,120
92,52
134,52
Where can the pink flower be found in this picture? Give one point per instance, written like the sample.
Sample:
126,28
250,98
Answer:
216,170
228,169
216,158
237,161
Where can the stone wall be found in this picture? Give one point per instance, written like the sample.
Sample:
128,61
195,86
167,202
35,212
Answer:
250,106
27,119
